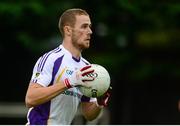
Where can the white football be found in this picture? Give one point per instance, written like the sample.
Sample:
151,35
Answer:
99,85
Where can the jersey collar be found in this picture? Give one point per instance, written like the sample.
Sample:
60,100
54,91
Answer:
67,51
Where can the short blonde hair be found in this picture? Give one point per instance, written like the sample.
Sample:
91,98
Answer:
69,18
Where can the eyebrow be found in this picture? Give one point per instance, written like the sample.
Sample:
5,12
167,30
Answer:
86,24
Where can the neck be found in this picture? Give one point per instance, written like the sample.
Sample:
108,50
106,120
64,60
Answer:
75,52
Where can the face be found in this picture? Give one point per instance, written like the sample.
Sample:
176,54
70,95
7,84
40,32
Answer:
81,32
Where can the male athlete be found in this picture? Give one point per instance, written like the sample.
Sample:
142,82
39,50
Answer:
53,95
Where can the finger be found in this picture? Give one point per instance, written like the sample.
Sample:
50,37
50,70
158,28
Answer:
86,78
86,72
106,101
85,68
110,87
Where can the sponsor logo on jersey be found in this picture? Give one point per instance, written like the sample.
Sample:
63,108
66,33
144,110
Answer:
69,72
71,93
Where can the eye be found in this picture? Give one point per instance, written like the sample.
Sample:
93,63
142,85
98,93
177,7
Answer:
85,26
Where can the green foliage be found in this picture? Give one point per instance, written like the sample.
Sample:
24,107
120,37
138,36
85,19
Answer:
121,28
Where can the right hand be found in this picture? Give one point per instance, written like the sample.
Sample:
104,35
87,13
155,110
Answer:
79,78
104,99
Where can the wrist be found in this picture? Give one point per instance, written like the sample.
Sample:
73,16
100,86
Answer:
99,106
67,83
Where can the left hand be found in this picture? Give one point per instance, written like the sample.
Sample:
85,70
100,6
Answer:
103,100
79,78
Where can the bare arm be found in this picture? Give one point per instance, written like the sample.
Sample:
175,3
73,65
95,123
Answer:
90,110
37,94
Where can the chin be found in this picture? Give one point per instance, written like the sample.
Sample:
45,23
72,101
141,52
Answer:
85,46
88,44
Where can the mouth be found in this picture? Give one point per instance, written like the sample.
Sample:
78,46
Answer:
88,39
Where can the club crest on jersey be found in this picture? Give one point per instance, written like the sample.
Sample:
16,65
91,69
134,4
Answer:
37,74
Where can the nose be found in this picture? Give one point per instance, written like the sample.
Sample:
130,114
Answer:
89,31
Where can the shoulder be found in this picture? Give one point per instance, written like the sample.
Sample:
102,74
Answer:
49,57
54,54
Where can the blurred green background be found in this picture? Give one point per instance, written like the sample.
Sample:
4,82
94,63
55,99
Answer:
137,41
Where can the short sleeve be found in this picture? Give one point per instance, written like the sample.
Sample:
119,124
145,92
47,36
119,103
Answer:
42,72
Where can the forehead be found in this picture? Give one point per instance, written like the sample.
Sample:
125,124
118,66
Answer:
82,19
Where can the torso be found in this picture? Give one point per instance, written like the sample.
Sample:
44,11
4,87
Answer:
52,67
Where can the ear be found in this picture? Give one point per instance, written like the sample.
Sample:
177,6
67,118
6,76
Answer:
67,30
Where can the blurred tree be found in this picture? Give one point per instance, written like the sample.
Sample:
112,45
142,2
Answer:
137,41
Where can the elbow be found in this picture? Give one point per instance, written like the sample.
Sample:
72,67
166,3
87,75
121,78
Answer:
89,117
28,105
29,102
90,111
